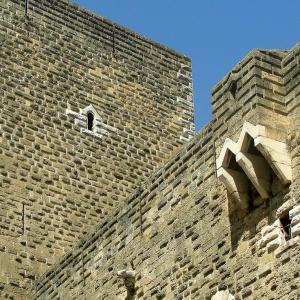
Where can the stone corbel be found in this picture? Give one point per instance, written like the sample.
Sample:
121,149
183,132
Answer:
277,155
129,278
256,168
223,295
235,181
236,184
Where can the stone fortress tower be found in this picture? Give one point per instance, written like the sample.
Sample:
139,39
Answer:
105,190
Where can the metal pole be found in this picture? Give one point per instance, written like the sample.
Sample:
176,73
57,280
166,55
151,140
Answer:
23,218
26,7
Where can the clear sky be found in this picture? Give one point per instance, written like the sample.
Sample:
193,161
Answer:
216,34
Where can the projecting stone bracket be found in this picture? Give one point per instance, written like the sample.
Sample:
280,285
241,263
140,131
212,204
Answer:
129,282
222,295
277,154
99,129
237,185
251,159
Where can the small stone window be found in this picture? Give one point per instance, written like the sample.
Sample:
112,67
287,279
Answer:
90,121
285,222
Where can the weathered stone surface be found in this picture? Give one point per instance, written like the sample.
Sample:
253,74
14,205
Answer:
222,295
251,160
76,208
58,179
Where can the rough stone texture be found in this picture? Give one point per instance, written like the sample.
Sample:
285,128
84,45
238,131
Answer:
222,295
259,159
57,180
178,234
182,233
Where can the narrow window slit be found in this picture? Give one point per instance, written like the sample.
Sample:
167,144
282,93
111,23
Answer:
90,121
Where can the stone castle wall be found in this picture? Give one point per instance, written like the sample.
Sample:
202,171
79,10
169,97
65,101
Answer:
58,179
182,235
132,208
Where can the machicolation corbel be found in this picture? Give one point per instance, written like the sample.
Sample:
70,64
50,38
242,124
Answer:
250,167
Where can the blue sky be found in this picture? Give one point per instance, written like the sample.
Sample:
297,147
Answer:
216,34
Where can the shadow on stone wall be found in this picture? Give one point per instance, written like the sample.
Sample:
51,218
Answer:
245,226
